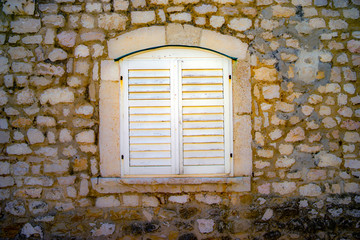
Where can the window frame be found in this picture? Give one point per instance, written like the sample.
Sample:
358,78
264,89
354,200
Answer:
174,55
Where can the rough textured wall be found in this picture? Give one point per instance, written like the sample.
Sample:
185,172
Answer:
305,57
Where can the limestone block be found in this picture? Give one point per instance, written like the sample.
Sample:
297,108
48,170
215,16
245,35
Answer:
142,17
41,181
242,146
45,121
284,162
240,24
19,52
182,34
53,20
48,8
351,13
112,21
49,69
68,180
205,8
22,67
121,5
104,230
85,137
92,36
19,7
271,91
104,202
57,54
81,51
159,2
47,151
338,24
303,3
93,7
352,137
6,181
296,134
64,206
4,168
284,188
18,149
15,208
205,225
310,190
180,17
110,70
86,110
208,199
223,43
37,207
35,39
131,200
57,95
279,11
179,199
177,2
25,25
353,164
265,74
4,66
57,166
35,136
150,201
317,23
136,40
97,50
3,123
3,97
87,21
269,24
84,187
217,21
67,38
241,88
38,81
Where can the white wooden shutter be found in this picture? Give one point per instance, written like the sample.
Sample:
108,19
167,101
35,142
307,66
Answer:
147,138
205,116
176,116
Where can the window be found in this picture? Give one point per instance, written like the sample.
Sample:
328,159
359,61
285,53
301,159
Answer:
175,113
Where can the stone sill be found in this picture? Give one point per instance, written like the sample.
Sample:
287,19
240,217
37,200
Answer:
171,185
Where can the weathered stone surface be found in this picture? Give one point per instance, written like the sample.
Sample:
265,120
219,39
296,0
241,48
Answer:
25,25
150,201
284,162
35,136
45,121
180,17
57,166
49,69
4,66
104,202
205,8
284,188
4,137
208,199
19,7
179,199
15,208
279,11
67,38
104,230
295,135
310,190
57,54
57,95
205,225
85,137
112,21
271,91
47,151
37,207
182,34
142,17
6,181
18,149
353,164
240,24
352,137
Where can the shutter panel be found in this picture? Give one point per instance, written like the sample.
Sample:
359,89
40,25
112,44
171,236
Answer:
205,120
148,118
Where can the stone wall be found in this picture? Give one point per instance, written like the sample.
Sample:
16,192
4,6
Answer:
304,57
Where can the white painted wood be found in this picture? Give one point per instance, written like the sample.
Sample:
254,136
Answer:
176,111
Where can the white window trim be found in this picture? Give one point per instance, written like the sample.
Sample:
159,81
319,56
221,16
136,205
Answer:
109,180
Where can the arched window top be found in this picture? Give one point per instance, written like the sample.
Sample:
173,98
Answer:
174,51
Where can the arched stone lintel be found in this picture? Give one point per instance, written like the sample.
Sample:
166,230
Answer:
172,34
